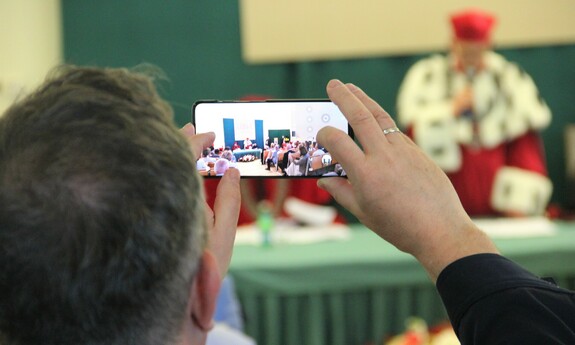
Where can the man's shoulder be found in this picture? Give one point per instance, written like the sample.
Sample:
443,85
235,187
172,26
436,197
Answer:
496,61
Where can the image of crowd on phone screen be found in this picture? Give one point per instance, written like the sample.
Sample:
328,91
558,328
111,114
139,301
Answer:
262,137
278,157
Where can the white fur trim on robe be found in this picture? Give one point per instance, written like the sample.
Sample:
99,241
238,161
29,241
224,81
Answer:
438,140
505,98
521,191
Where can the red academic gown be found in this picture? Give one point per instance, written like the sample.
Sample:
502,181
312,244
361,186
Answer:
474,180
303,189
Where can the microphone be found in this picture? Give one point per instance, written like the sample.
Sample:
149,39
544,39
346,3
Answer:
470,74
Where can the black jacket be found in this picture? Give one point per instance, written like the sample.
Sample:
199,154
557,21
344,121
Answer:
492,300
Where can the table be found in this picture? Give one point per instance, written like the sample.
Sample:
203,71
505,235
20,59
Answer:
254,152
360,290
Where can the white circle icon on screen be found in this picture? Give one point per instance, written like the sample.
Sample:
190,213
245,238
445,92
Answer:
325,118
309,109
309,119
310,129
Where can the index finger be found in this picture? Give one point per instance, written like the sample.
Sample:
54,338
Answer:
363,122
381,116
342,148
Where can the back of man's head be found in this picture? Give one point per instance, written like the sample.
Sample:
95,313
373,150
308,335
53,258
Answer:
206,152
101,221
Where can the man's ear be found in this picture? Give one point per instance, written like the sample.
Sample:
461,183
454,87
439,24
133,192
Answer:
204,292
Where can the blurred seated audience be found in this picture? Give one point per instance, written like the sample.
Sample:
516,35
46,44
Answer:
298,165
229,156
202,162
273,157
221,166
215,154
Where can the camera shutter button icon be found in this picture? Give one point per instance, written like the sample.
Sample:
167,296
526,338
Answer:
325,118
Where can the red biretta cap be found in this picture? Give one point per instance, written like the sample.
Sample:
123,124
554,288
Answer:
472,25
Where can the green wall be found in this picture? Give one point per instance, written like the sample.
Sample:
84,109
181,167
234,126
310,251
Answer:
198,45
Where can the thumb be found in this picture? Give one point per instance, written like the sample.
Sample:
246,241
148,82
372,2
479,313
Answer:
226,212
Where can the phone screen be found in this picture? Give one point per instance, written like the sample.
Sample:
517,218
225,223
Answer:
271,139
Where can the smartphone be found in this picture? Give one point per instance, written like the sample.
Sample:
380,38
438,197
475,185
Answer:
268,139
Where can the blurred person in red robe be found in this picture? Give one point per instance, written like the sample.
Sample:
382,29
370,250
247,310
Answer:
477,116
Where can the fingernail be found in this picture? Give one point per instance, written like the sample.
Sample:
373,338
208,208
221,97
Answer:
235,174
334,83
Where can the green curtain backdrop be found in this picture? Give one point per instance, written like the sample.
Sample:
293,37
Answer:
198,45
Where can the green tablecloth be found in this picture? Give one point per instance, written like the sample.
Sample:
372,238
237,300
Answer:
360,290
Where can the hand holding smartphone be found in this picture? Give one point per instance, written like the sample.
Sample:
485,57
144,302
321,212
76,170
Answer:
271,139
